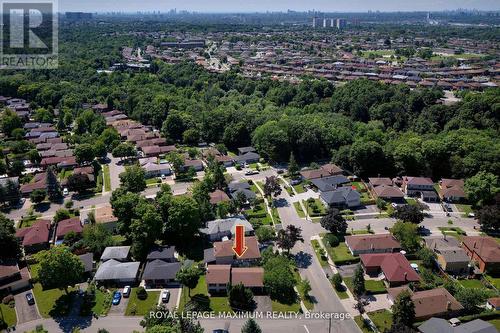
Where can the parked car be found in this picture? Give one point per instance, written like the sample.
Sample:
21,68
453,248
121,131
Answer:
117,296
30,299
251,172
126,291
295,182
165,296
65,191
220,331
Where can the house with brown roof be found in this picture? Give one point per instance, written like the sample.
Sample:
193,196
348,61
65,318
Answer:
104,215
449,255
420,187
13,278
224,254
388,193
483,250
218,196
220,276
360,244
377,181
39,182
36,237
429,303
452,190
326,170
64,227
493,303
395,268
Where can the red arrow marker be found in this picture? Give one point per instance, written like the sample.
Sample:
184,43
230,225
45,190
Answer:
239,247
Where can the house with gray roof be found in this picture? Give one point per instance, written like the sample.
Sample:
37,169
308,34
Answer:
217,229
438,325
330,183
244,188
117,273
160,273
449,255
250,157
341,197
165,253
119,253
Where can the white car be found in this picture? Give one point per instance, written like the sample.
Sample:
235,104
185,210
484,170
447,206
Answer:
126,291
65,191
165,296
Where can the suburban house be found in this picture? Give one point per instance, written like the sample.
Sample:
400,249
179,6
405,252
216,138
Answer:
154,151
377,181
483,250
331,183
388,193
452,190
220,276
438,325
225,160
39,182
117,273
493,303
104,215
394,266
197,165
218,196
64,227
115,268
449,255
429,303
88,262
420,187
223,253
341,197
326,170
153,170
360,244
244,150
161,267
13,278
244,188
36,237
218,229
120,253
249,157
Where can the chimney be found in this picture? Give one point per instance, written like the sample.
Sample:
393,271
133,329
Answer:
448,305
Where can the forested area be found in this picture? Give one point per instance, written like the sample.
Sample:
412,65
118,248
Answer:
366,127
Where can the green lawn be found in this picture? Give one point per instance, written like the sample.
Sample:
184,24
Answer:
201,289
50,302
107,178
494,281
280,307
340,253
102,302
8,314
453,231
258,215
299,210
495,322
464,209
411,201
318,250
299,188
371,286
65,173
137,307
320,208
220,304
365,328
342,294
471,283
382,319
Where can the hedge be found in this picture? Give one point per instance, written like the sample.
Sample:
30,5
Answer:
346,261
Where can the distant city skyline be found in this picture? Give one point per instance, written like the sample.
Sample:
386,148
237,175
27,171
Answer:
221,6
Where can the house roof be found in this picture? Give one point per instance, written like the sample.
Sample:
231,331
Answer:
88,261
418,181
453,191
331,183
324,171
340,195
438,325
38,233
395,266
218,196
387,191
218,274
66,226
243,150
226,225
162,252
238,185
115,252
105,214
380,181
375,242
494,301
430,302
247,156
441,243
225,249
8,269
485,247
116,270
248,276
161,270
446,183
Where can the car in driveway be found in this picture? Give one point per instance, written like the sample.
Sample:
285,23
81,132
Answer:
126,291
251,172
30,299
117,296
165,296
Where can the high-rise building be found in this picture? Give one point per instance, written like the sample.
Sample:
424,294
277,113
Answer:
341,23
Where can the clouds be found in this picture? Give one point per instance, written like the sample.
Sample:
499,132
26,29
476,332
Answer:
275,5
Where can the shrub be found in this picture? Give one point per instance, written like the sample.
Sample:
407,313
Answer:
332,240
142,294
337,281
133,308
7,299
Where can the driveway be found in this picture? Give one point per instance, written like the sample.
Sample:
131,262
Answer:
114,171
175,292
263,303
347,270
25,312
119,310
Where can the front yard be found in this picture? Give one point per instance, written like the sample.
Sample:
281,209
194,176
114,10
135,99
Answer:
464,209
138,307
372,287
320,253
382,319
315,208
200,292
299,210
7,315
340,254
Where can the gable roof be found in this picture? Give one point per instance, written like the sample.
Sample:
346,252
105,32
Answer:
218,274
88,261
115,252
225,249
243,150
447,183
485,247
395,266
161,270
38,233
116,270
376,181
324,171
226,225
418,181
250,277
340,195
386,191
66,226
161,252
375,242
218,196
331,183
438,325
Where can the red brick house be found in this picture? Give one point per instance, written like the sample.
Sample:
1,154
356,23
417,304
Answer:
483,250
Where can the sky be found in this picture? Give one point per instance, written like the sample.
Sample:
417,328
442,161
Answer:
219,6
